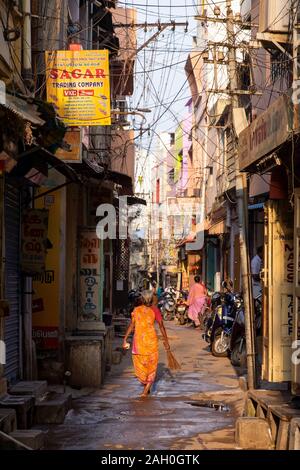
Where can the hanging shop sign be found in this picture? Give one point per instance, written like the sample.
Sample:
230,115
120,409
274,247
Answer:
267,132
78,86
90,277
34,240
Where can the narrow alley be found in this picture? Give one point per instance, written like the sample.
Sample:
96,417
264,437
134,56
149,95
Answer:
149,229
177,415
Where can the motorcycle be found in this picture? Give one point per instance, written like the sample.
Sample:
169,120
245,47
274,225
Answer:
167,304
206,313
238,356
181,313
134,298
219,325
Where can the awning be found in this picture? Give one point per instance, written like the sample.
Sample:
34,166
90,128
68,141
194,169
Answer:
90,169
217,228
188,239
133,200
40,158
253,207
22,109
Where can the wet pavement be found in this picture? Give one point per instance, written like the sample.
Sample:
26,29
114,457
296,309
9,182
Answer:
185,409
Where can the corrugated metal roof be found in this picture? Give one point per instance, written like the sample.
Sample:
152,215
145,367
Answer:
24,110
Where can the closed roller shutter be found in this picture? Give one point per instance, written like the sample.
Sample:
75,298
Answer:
12,282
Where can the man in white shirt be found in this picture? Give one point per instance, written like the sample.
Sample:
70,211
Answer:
256,267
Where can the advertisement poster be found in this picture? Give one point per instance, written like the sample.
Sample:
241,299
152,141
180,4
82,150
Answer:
34,240
90,277
78,86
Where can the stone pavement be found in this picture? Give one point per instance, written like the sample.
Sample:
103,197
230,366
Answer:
183,411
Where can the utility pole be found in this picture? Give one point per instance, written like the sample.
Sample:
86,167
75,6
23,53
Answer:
296,96
242,205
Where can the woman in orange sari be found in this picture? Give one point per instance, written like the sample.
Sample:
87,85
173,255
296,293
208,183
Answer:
145,341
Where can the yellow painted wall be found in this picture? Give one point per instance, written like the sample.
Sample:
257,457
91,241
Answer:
48,293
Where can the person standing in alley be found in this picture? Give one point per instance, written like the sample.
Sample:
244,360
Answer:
256,267
197,300
145,341
154,293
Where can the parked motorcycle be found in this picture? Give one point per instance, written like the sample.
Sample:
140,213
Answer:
238,356
167,304
219,325
237,346
205,315
181,310
134,299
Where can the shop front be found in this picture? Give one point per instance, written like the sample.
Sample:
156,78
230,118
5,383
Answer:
266,148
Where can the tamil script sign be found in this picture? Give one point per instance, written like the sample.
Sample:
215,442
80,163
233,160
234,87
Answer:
266,133
78,86
45,337
34,240
90,308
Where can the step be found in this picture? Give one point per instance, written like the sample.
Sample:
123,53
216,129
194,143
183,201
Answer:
253,433
33,438
8,420
34,388
294,438
24,406
3,387
7,442
53,410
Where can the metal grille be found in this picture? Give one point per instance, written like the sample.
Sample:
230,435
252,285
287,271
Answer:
121,270
12,282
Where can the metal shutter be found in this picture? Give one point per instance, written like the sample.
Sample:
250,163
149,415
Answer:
12,282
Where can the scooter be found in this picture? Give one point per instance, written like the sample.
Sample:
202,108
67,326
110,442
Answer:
182,308
238,356
219,326
134,298
167,304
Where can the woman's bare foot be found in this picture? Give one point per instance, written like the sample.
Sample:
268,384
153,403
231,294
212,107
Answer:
146,390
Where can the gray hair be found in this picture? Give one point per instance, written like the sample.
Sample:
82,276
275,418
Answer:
147,297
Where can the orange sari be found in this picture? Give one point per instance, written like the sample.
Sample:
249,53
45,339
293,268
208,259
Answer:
145,344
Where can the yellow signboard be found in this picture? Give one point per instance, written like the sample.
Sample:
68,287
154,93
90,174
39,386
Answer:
78,86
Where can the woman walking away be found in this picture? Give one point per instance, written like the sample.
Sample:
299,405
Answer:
196,300
145,341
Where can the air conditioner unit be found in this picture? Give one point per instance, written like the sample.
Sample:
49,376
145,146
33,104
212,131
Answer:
274,16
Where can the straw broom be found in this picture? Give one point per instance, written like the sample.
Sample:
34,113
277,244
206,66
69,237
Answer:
173,364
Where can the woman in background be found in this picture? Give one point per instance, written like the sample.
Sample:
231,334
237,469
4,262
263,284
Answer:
197,300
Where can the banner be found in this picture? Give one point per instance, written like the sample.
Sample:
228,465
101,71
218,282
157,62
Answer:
78,86
34,240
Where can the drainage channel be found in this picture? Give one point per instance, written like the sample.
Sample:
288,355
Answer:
215,406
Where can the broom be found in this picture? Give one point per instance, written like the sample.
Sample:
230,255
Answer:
173,364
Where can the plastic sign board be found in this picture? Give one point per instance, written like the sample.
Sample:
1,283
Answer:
78,86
